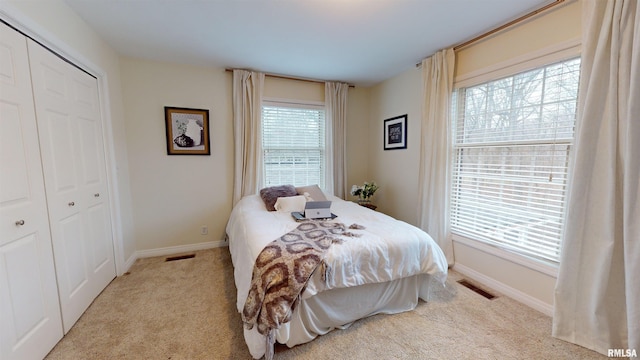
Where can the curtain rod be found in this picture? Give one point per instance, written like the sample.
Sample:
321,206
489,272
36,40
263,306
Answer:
278,76
509,24
504,26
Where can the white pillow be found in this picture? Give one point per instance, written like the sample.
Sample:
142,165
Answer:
314,192
290,203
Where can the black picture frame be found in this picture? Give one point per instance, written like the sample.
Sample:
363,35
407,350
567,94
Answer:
395,133
187,131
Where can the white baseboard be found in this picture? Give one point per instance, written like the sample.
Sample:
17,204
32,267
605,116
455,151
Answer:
515,294
180,249
132,259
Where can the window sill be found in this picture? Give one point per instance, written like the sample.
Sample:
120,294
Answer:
541,266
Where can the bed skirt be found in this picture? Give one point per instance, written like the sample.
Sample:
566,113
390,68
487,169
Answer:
339,308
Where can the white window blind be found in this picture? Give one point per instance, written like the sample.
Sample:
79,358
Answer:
293,144
512,142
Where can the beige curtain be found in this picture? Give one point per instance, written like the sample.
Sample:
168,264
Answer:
247,132
435,149
335,98
597,297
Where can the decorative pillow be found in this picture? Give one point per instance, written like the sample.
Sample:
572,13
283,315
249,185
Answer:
314,191
291,203
307,196
271,194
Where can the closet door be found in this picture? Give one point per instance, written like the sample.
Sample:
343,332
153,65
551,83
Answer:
70,131
29,308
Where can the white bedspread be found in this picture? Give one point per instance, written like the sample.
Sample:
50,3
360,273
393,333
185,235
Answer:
388,249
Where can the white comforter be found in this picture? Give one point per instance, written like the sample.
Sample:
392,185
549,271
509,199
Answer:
388,249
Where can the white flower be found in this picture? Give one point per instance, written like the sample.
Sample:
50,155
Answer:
364,192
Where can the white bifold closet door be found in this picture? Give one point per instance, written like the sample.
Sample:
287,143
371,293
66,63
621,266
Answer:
73,160
30,323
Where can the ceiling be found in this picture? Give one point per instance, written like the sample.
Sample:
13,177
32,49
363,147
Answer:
361,42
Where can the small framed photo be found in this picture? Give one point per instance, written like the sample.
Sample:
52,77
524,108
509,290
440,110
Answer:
395,133
187,131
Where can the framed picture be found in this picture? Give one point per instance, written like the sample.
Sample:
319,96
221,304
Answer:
395,133
187,131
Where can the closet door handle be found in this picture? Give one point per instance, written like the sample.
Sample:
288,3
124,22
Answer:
96,195
20,222
72,203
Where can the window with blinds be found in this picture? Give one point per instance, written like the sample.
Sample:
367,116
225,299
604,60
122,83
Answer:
512,141
293,142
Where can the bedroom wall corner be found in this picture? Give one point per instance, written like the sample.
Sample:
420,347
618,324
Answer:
358,138
396,171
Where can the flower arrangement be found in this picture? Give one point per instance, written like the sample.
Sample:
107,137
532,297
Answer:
364,192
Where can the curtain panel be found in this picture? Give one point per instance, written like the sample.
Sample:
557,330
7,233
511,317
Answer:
435,149
335,98
247,132
597,296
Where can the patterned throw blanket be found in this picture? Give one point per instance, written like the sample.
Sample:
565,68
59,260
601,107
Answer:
281,273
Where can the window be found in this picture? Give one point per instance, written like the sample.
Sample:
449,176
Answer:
512,141
293,142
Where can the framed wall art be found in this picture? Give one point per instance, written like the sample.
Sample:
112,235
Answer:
187,131
395,133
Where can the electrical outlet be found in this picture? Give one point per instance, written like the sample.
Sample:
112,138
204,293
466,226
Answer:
204,230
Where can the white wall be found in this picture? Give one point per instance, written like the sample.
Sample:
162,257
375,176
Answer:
287,89
174,196
359,144
53,23
397,170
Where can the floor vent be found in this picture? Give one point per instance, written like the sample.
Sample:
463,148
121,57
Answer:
476,289
181,257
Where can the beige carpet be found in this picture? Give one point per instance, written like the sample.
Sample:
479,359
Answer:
185,309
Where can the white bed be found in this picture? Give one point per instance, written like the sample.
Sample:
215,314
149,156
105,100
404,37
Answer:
385,270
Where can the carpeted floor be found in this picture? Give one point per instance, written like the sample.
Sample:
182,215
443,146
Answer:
185,309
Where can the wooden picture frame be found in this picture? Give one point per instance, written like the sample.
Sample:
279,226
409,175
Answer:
187,131
395,133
